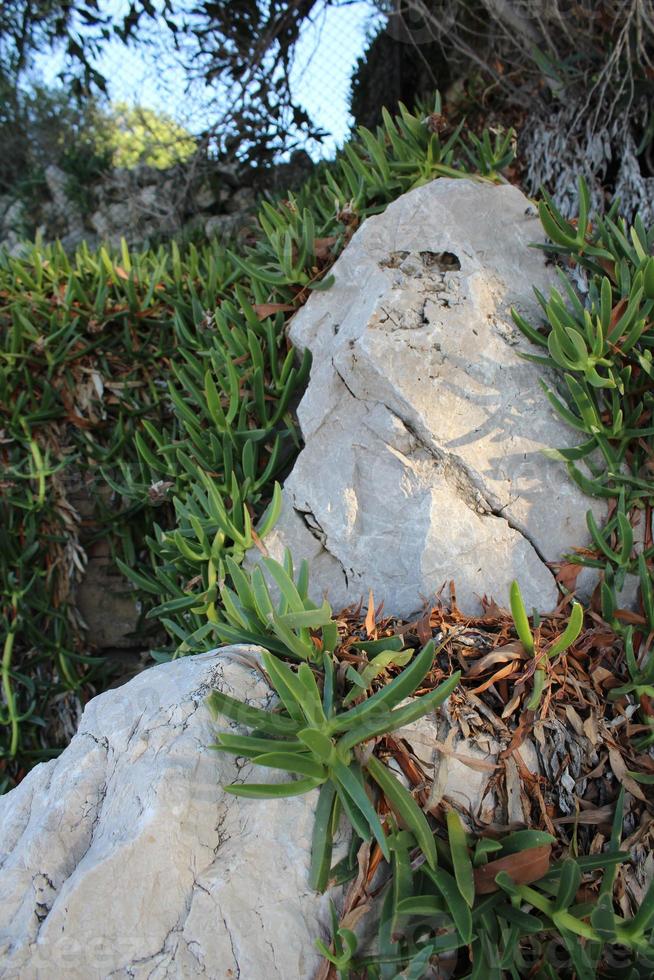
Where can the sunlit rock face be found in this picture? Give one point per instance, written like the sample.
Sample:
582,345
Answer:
125,857
424,427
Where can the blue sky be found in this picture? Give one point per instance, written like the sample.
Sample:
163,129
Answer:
325,57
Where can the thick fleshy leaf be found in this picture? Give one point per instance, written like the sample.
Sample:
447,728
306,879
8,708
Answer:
426,905
570,633
319,743
461,862
279,673
285,584
293,692
272,791
521,622
245,714
349,778
321,849
308,618
456,904
294,762
248,745
384,721
522,840
385,699
569,881
405,807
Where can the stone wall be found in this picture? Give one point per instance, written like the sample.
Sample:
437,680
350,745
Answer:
144,205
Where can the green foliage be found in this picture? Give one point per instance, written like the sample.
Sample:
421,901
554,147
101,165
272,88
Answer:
240,452
583,63
286,627
165,374
491,899
526,637
84,138
46,126
135,135
406,152
392,655
444,892
502,930
343,948
600,344
84,341
320,746
490,157
641,675
192,467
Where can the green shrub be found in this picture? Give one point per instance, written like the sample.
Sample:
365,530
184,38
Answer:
301,237
600,345
192,464
191,427
496,899
134,135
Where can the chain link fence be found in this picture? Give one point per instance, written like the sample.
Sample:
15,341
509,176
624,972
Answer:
150,75
171,147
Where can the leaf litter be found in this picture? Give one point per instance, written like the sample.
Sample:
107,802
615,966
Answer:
580,745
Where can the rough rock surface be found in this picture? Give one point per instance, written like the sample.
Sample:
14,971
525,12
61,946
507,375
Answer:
62,212
424,428
102,596
144,204
462,758
125,858
12,224
108,610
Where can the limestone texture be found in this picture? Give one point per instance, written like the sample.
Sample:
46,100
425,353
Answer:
424,427
124,857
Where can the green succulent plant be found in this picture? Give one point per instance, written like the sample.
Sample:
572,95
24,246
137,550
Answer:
188,348
600,344
284,626
428,912
321,745
526,637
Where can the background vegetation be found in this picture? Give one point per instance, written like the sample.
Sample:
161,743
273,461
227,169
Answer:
162,381
166,377
575,79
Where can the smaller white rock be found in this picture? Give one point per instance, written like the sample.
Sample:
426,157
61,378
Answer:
125,857
460,769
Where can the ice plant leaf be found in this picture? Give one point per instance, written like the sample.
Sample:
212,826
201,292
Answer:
570,633
520,619
391,694
460,857
405,807
292,762
267,721
321,849
456,904
272,791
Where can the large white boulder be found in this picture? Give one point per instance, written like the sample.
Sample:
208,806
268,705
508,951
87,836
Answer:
423,426
125,858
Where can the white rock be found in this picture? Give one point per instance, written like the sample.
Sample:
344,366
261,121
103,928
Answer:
204,196
57,183
125,858
65,208
461,770
14,216
424,428
222,225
